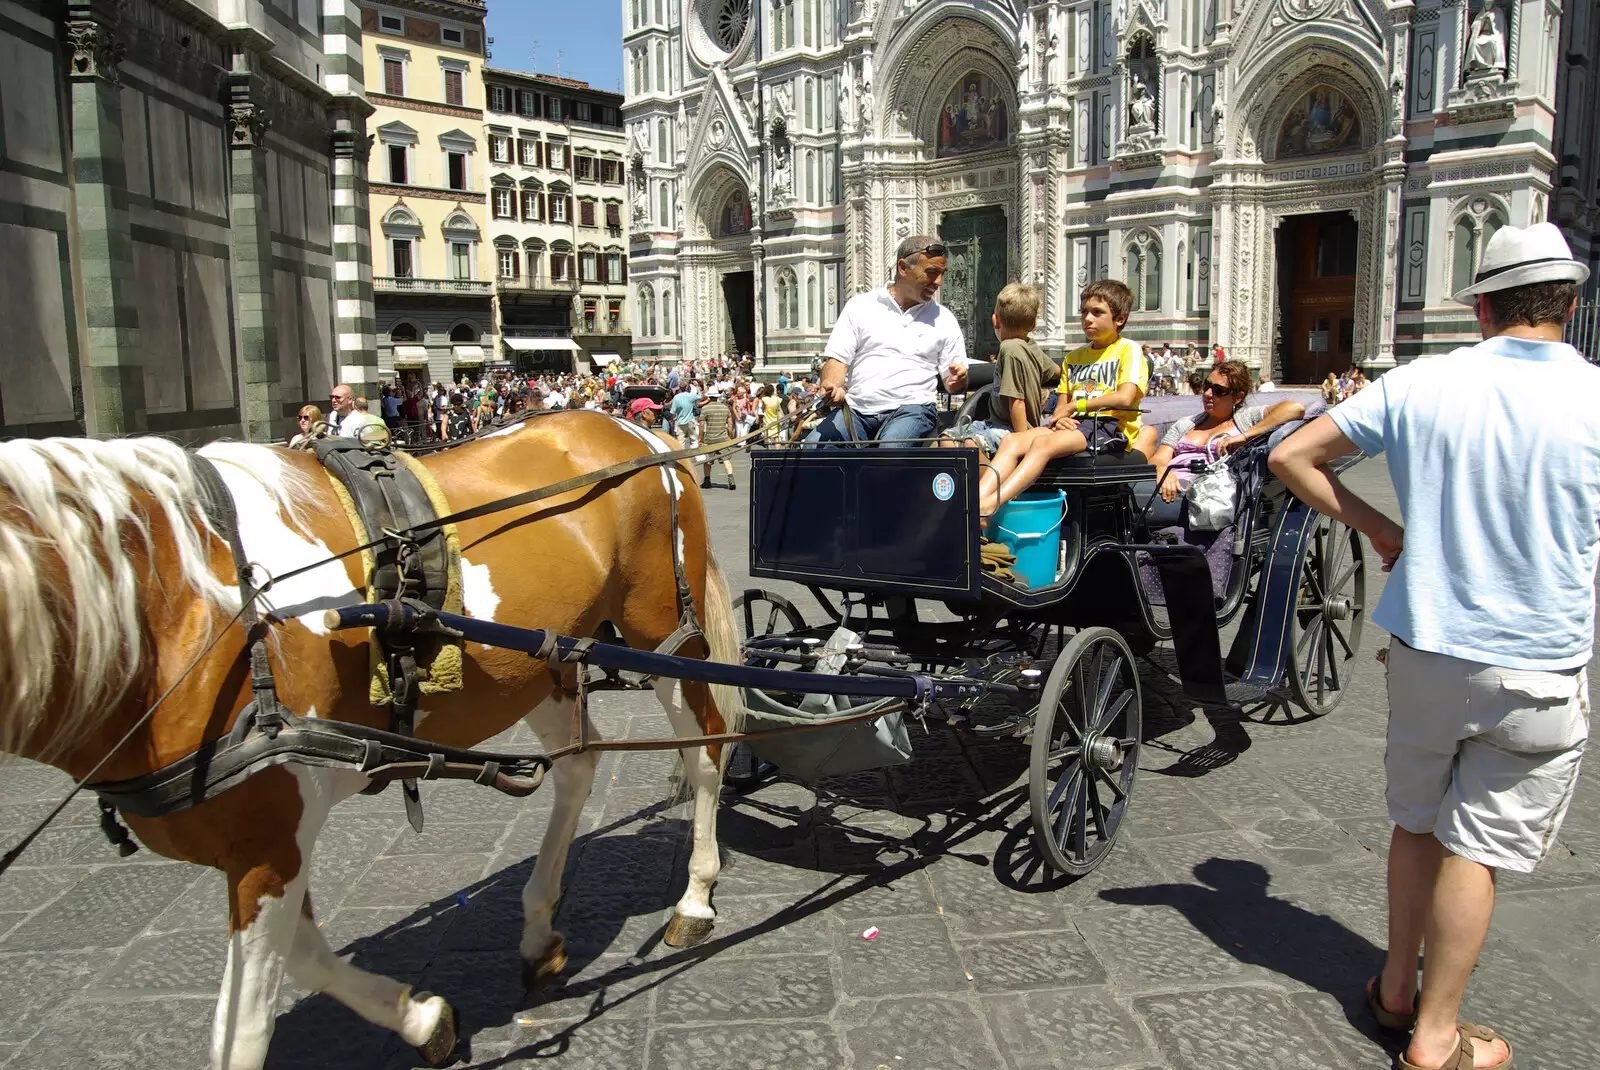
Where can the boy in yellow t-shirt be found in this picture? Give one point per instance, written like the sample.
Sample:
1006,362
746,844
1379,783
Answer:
1102,384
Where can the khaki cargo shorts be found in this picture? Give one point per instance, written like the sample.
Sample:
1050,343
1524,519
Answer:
1486,758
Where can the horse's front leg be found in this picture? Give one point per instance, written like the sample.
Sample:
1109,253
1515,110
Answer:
543,950
692,920
265,908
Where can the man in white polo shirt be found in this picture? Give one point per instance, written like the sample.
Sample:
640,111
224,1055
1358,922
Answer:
1494,451
887,351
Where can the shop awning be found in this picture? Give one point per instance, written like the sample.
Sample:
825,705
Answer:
410,356
467,354
526,345
604,358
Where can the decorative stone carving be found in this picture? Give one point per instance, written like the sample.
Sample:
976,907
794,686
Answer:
1487,51
864,101
97,49
248,118
1141,108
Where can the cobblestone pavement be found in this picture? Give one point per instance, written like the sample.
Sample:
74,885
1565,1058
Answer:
1232,927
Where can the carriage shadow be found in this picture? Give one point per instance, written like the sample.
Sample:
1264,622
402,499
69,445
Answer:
851,836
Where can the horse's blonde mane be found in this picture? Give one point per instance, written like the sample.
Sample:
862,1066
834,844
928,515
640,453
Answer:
84,501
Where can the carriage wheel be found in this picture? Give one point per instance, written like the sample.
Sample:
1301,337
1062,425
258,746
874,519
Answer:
1325,632
758,614
1085,750
761,614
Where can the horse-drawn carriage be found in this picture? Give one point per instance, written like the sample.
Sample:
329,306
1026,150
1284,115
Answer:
254,634
888,541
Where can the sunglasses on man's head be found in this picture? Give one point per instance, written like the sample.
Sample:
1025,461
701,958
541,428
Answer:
928,250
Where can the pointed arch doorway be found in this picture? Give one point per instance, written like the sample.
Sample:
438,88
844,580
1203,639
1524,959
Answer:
976,240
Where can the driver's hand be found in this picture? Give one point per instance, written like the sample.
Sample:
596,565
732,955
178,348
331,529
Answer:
955,379
832,393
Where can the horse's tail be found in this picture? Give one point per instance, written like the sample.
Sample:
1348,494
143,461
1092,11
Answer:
722,637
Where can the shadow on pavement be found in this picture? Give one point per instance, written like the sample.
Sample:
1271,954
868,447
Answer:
1230,905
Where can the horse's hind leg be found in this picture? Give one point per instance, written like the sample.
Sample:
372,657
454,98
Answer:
692,920
425,1021
543,951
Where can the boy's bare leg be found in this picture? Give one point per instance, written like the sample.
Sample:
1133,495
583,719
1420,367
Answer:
1006,458
1041,451
1146,442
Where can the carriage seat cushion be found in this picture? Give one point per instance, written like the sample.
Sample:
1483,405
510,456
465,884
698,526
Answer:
1218,548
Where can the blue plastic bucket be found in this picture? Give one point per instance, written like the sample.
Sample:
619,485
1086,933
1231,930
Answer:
1030,526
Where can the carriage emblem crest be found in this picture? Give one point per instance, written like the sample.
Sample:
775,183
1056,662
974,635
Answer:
944,486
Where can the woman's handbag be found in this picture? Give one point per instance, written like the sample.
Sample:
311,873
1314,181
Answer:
1213,494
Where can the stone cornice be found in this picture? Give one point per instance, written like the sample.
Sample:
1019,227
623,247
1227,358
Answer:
423,105
428,193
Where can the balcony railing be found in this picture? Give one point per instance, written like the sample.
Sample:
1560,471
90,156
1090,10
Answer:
395,284
540,283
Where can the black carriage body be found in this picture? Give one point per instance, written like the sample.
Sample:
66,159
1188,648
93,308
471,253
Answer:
890,521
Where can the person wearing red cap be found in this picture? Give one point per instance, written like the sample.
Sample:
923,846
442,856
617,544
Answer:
643,411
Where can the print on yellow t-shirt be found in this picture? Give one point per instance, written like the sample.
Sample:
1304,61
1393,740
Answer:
1087,372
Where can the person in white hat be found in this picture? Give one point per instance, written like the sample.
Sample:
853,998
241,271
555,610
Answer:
1494,451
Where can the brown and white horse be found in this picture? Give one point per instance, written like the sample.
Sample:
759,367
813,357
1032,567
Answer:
112,580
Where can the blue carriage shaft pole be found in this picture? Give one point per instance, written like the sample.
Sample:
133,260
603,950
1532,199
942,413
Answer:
626,659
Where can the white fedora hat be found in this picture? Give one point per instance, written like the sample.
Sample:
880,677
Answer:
1519,257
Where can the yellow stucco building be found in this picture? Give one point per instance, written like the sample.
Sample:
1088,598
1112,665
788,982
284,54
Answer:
432,268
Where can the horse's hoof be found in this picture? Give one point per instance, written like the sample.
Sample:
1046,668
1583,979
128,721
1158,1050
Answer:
438,1048
546,969
683,931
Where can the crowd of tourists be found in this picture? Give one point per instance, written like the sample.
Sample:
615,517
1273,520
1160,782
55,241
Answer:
1339,386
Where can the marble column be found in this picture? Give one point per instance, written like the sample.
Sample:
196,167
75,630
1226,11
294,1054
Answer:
254,294
113,359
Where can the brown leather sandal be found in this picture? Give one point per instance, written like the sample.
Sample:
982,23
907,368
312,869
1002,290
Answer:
1391,1020
1461,1058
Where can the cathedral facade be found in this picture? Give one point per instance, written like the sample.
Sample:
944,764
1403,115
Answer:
1303,181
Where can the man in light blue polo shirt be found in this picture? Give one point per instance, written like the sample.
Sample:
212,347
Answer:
1494,451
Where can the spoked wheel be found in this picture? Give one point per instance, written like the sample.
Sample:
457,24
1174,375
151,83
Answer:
761,614
1330,607
758,614
1085,750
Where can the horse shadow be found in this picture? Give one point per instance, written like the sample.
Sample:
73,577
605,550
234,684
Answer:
1229,903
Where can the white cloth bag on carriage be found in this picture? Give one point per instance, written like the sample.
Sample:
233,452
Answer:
1213,495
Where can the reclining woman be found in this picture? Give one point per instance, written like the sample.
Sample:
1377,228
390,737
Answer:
1224,390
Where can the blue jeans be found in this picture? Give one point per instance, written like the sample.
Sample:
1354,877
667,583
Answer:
891,428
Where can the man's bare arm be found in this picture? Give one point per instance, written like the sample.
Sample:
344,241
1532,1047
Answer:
1301,461
832,377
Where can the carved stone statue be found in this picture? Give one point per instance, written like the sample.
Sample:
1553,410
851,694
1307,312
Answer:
641,139
782,174
864,101
641,190
1024,59
1487,52
682,123
1141,107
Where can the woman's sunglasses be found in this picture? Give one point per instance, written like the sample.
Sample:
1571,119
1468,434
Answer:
1220,389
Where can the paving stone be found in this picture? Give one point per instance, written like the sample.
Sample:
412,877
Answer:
30,782
415,880
68,846
768,925
106,909
600,1044
24,889
1066,1029
1293,841
346,849
623,924
1246,792
124,1036
172,964
320,1033
934,783
462,802
886,894
1371,833
1240,1028
1348,1027
9,1051
740,989
1179,856
1339,789
35,985
1558,927
1168,806
441,838
19,818
788,870
767,1046
908,955
620,864
921,1033
975,903
1560,868
1151,947
609,987
1551,1027
1022,963
657,769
